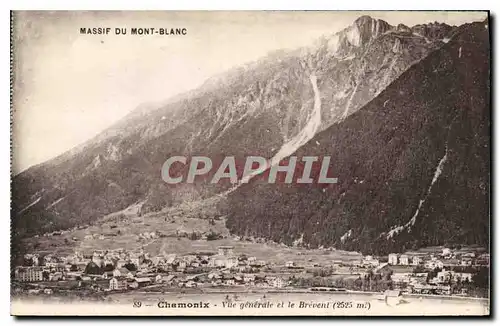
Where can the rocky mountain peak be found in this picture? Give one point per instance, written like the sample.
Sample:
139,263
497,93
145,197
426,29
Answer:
368,28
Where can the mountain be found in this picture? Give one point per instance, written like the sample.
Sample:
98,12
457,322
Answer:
413,165
265,108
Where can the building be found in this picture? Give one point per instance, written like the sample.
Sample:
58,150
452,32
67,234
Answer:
29,274
182,264
462,277
120,263
443,277
466,261
117,284
225,250
404,260
228,280
249,278
143,281
400,277
222,261
132,284
432,264
418,278
416,260
117,272
446,252
257,263
393,259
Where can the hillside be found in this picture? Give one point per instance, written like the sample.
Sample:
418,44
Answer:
259,108
413,164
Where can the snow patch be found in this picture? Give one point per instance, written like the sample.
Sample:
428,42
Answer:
377,28
397,46
333,43
33,203
387,75
306,134
353,36
113,152
96,162
460,52
394,231
349,57
309,130
424,37
349,102
340,95
346,236
55,202
411,222
445,40
299,240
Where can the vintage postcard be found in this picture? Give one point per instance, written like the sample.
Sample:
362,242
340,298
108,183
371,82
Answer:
265,163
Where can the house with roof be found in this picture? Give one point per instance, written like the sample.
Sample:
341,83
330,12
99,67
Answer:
442,277
117,283
466,261
225,250
223,261
143,281
121,271
451,262
132,284
393,259
462,277
29,274
416,260
433,263
120,263
228,279
249,278
446,252
400,277
190,284
276,281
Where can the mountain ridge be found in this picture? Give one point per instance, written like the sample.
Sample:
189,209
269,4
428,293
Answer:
382,202
256,110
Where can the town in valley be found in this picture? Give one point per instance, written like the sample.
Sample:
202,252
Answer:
458,272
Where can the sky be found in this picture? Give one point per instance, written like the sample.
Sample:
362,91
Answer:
69,87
